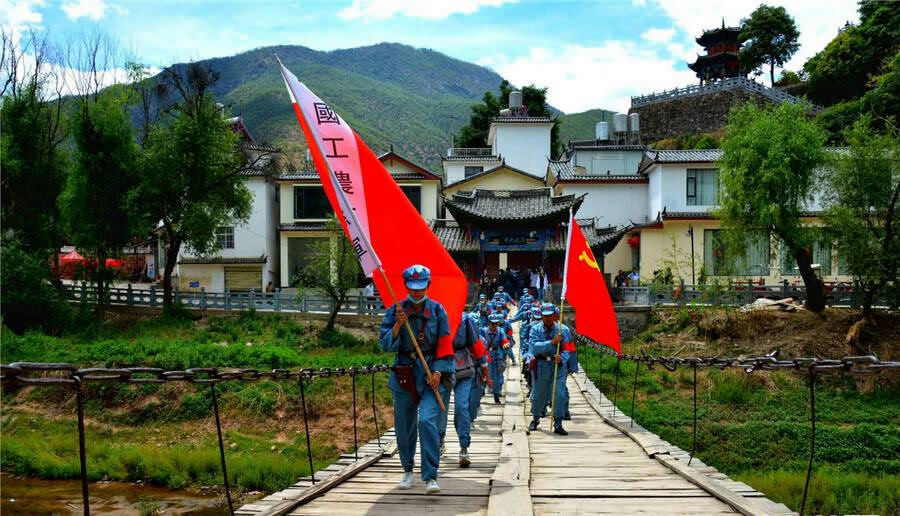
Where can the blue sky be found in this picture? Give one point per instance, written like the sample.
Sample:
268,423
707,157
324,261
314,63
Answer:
588,53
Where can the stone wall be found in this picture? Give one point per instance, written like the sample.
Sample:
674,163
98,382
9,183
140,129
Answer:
690,115
631,320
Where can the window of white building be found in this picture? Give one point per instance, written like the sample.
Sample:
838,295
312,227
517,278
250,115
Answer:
414,194
821,255
471,171
718,261
225,237
702,186
310,202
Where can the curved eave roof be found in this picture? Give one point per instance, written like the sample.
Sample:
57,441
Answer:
491,207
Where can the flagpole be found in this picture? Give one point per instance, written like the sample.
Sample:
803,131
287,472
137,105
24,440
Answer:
415,343
348,213
562,306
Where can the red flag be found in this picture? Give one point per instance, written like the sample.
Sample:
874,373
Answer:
585,289
386,228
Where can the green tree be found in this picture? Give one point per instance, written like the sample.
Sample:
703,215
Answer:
862,202
770,37
29,300
190,178
767,173
31,140
334,269
844,68
96,213
475,133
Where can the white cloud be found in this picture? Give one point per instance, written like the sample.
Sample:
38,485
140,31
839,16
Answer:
93,9
656,35
427,9
817,20
18,15
580,78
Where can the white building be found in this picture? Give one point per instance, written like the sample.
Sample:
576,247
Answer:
304,209
248,255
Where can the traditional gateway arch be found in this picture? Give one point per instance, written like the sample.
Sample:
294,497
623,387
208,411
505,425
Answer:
491,229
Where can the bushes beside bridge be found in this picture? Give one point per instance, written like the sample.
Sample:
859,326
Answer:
755,427
164,434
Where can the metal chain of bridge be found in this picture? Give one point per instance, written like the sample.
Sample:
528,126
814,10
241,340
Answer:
71,376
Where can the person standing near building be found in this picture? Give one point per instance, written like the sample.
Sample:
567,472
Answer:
496,343
544,340
416,409
634,279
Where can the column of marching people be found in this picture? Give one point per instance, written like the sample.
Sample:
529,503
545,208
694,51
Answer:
467,364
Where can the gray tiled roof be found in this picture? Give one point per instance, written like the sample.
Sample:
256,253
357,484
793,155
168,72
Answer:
679,156
301,175
522,119
499,205
565,171
453,236
216,260
686,156
455,239
313,176
302,226
603,145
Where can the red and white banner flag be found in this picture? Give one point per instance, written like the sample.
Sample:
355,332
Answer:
334,140
386,229
585,289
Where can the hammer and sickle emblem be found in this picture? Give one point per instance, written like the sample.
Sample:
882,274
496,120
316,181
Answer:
585,257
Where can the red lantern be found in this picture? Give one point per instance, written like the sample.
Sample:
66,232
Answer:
634,240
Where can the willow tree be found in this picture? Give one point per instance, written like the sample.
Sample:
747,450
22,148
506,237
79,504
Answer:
767,175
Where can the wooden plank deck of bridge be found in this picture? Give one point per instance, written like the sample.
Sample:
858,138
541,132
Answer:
604,466
596,469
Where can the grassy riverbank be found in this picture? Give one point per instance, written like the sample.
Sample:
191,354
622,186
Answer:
165,434
755,427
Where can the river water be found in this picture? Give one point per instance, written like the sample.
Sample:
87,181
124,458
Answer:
36,497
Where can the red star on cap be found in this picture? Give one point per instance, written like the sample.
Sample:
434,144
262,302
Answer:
416,275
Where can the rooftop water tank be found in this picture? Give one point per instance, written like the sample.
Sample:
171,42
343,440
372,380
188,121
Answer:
634,123
620,122
515,99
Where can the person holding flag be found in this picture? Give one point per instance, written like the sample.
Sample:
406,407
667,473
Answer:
370,207
549,344
417,409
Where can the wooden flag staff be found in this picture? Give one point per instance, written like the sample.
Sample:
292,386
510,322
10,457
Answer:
562,305
415,343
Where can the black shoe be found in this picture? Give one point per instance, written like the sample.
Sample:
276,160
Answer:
497,400
544,413
568,416
560,430
533,425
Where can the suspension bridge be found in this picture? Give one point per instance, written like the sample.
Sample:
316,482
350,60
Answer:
608,464
604,466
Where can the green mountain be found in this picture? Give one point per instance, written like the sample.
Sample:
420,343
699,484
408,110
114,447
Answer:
580,126
391,94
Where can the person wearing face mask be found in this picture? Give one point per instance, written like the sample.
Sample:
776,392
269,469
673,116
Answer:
496,343
416,410
545,338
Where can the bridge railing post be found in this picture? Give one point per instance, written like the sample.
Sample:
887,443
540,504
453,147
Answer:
312,471
215,404
375,410
82,456
812,440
